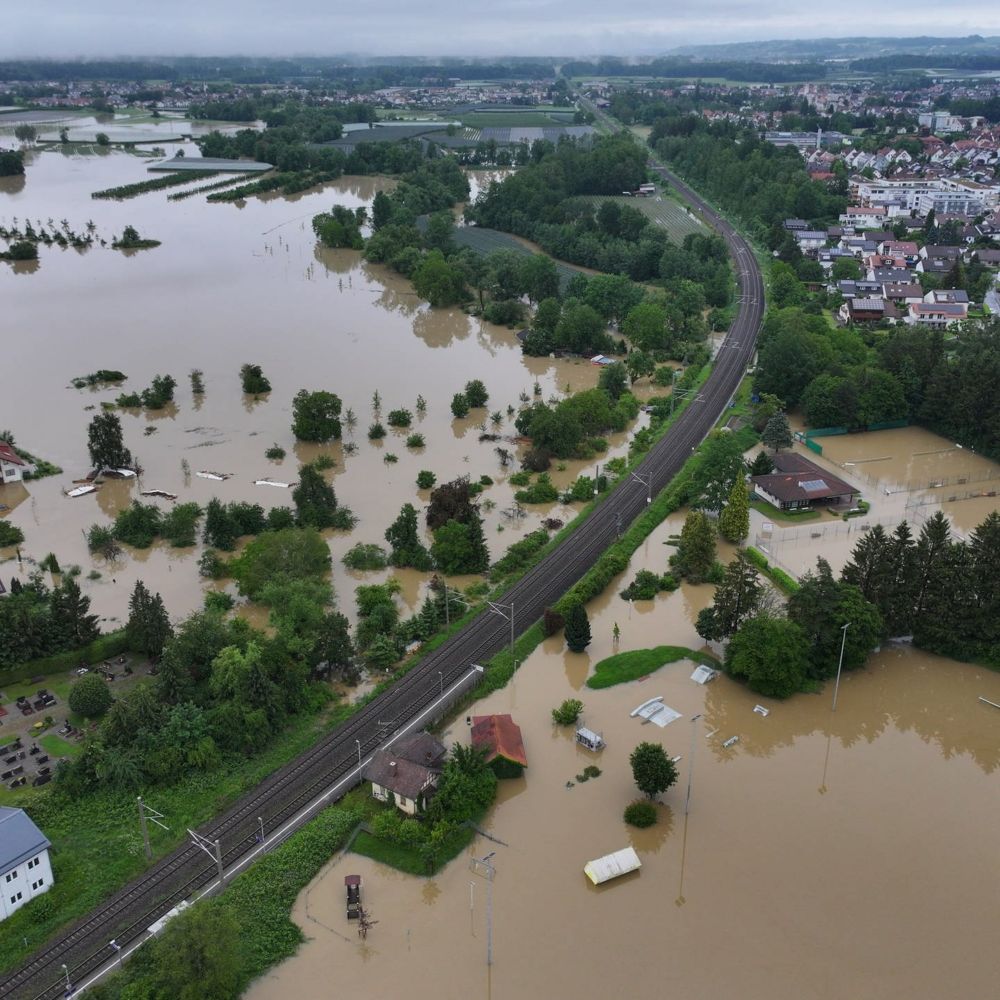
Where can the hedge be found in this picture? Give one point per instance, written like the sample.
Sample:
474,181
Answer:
103,648
787,584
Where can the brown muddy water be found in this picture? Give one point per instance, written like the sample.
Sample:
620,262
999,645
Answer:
906,474
825,855
234,283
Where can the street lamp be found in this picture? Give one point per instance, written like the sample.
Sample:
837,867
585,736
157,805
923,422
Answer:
118,950
69,985
359,752
441,679
840,664
687,799
260,820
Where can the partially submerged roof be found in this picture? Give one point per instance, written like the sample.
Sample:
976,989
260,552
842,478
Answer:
612,865
196,164
20,839
500,735
7,454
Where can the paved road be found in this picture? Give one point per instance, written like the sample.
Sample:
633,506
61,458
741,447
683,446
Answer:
128,913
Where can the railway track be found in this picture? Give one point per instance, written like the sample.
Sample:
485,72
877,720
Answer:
127,914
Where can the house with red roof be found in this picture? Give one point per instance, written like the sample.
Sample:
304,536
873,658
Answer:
12,466
500,737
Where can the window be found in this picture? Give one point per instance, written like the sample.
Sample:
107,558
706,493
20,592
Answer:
38,884
12,875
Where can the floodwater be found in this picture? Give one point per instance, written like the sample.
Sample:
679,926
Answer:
825,855
235,283
906,474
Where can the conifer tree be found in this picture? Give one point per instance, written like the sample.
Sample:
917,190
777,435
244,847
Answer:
737,598
577,628
404,537
734,521
696,549
777,434
314,498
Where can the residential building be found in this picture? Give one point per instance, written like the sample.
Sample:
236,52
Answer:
810,239
500,737
937,316
798,483
903,294
25,871
12,466
951,297
864,216
406,774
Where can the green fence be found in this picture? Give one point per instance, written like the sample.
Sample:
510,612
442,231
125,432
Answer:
814,446
108,645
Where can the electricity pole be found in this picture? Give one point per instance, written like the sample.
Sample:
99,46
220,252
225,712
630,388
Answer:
150,814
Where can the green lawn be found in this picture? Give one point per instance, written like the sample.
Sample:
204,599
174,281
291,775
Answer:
636,663
96,843
56,746
774,514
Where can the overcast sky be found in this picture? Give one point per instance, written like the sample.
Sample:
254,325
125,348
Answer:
456,27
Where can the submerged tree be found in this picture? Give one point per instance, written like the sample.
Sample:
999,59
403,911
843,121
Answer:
737,598
148,626
105,444
404,537
695,553
654,772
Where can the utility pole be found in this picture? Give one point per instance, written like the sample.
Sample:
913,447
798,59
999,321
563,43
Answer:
647,480
687,799
505,611
150,814
840,664
488,872
212,848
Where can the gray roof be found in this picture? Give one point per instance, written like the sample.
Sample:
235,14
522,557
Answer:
195,164
411,766
20,839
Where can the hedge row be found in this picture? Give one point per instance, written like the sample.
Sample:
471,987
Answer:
778,577
103,648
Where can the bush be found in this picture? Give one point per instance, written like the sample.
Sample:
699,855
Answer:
647,585
376,432
641,814
568,712
254,382
415,441
537,460
218,600
10,534
541,491
212,566
476,394
90,696
399,418
519,478
552,622
460,405
425,479
366,555
275,453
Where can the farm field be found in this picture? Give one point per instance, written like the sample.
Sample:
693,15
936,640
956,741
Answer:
664,211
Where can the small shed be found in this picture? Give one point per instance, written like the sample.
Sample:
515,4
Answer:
589,739
500,737
612,866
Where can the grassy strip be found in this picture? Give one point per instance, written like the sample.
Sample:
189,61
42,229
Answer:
785,583
636,663
259,904
216,186
124,191
96,844
406,859
774,514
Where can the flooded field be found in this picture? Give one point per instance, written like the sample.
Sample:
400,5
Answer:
906,474
235,283
825,855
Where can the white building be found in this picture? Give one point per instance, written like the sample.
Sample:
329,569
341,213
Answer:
25,871
12,466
